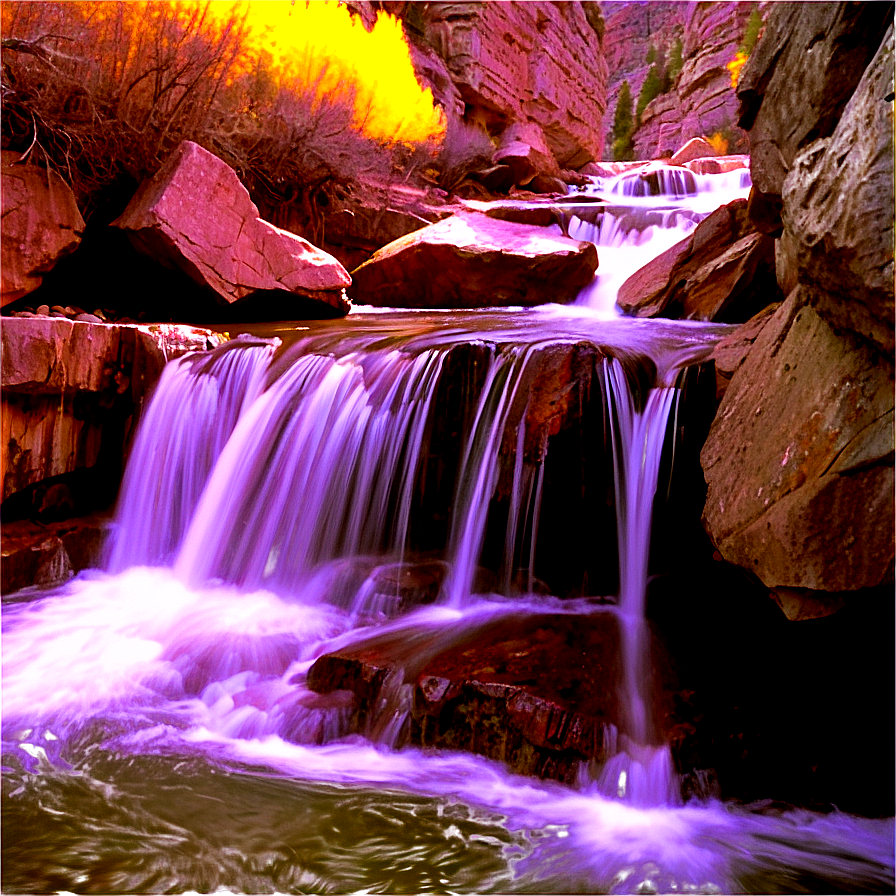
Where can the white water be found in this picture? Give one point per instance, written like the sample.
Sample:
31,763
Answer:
198,642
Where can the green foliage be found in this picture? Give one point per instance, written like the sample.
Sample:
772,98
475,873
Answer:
653,86
623,125
751,33
651,55
676,62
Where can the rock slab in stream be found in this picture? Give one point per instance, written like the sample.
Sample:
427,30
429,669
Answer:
473,261
536,691
41,224
196,216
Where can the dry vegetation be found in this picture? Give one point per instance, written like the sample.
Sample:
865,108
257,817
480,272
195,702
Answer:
104,91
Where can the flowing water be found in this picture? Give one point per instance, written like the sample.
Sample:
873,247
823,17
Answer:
158,731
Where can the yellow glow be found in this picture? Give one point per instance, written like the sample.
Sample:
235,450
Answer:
735,66
318,45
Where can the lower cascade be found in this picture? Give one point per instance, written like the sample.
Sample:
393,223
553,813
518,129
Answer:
391,487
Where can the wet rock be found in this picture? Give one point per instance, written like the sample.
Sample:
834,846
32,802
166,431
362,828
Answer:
41,224
799,460
70,386
538,692
196,216
721,271
44,555
717,165
472,261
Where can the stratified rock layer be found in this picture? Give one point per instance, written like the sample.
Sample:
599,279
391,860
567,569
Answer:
69,388
41,224
474,261
196,216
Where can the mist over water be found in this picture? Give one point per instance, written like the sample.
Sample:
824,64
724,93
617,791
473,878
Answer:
158,731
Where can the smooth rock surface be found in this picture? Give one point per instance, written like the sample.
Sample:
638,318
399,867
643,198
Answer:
473,261
41,224
799,460
196,216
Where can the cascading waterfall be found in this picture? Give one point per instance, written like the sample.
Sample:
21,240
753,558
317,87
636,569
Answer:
158,730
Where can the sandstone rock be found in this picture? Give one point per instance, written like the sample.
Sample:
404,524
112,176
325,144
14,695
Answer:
538,692
196,216
41,224
702,101
526,62
524,149
838,211
799,460
717,165
64,381
34,555
695,148
731,350
721,271
472,261
825,47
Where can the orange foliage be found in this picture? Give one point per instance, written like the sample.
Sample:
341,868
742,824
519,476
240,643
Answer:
735,66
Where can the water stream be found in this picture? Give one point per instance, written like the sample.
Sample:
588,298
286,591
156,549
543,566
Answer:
158,731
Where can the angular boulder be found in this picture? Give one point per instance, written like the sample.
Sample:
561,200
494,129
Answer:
69,388
524,149
536,691
722,271
196,216
474,261
838,211
799,459
695,148
41,224
825,47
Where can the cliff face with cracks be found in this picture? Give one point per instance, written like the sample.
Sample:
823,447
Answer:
805,500
501,64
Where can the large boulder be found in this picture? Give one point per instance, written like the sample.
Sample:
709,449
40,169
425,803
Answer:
823,47
799,460
539,692
41,224
195,215
721,271
474,261
838,211
70,389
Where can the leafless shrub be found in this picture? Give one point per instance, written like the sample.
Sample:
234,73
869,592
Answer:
465,149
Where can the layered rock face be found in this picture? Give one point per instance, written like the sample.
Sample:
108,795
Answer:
195,215
41,224
806,502
70,389
537,65
702,101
